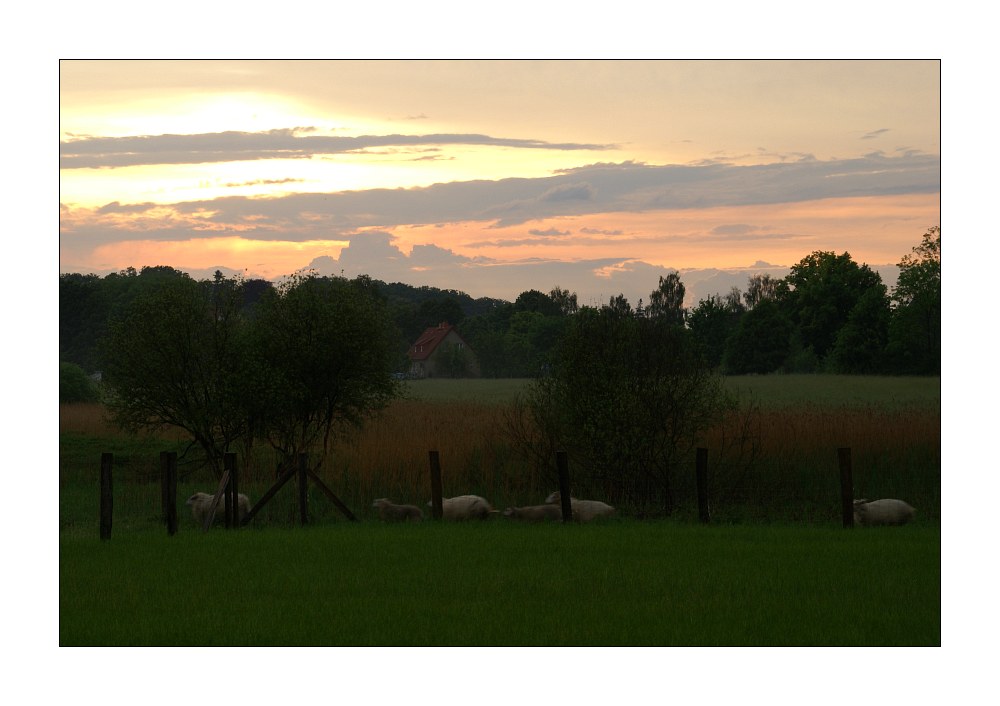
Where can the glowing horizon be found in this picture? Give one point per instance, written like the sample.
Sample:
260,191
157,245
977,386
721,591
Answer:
415,170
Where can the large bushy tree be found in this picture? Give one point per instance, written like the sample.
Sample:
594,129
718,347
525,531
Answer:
172,358
629,397
320,357
824,289
315,354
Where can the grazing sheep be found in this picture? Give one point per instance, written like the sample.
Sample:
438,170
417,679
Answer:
465,507
201,503
397,513
882,512
583,510
534,513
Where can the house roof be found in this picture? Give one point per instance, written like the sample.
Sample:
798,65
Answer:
429,340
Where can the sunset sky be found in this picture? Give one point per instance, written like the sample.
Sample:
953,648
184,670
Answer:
494,177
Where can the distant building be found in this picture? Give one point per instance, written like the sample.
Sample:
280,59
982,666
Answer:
441,352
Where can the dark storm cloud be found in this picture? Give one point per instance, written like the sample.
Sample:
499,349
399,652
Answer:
98,152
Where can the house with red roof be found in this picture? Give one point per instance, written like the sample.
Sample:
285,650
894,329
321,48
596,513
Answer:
440,351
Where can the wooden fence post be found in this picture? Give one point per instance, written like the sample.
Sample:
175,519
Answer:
232,494
332,496
220,491
846,487
701,472
562,465
107,497
168,472
304,488
437,503
283,478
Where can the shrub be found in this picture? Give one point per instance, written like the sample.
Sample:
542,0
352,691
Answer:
75,386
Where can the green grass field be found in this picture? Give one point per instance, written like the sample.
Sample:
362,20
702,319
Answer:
774,568
504,584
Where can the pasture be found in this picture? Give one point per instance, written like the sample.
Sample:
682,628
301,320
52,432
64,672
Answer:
774,567
503,584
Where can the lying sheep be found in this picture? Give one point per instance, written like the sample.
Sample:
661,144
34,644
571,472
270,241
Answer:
888,511
534,513
583,510
390,512
201,504
465,507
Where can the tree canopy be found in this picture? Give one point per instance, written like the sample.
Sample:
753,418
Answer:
629,397
316,354
830,314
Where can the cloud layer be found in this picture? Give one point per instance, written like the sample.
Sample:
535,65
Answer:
601,188
294,143
444,224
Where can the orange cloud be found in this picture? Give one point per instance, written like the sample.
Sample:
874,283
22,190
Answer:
263,258
876,229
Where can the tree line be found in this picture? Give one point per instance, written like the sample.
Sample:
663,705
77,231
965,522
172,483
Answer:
236,363
830,314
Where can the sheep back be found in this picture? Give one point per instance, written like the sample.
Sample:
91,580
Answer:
888,511
534,513
390,512
583,510
465,507
587,510
201,504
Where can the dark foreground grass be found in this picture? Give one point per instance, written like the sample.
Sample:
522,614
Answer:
504,584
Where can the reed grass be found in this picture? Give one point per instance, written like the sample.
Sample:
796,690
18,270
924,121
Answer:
786,471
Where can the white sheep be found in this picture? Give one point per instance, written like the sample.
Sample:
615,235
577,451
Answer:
391,512
465,507
534,513
888,511
583,510
201,504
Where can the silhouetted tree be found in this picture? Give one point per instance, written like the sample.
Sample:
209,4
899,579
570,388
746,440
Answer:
861,341
172,358
564,300
825,288
761,287
915,326
713,321
667,300
761,341
629,398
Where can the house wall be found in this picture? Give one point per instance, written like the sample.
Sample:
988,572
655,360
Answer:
430,366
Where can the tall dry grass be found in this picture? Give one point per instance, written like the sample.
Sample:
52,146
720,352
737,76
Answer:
84,418
778,463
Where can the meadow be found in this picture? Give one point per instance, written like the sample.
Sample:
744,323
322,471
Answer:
624,584
774,568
